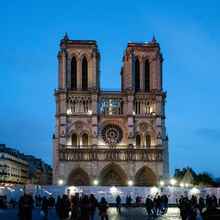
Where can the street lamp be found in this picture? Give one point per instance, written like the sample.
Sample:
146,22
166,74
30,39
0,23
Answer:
60,182
162,183
182,184
95,182
130,183
173,182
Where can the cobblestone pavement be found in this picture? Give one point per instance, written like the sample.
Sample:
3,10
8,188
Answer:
128,214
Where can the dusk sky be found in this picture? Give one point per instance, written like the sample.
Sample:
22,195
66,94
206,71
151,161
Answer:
189,36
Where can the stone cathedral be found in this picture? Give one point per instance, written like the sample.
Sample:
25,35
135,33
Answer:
110,137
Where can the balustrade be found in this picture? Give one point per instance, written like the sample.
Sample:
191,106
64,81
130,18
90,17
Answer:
110,154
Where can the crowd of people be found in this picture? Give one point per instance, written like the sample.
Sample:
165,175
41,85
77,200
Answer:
199,208
84,207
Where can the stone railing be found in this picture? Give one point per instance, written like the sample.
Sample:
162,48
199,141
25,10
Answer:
67,153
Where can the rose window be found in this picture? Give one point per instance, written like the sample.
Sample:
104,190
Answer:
112,134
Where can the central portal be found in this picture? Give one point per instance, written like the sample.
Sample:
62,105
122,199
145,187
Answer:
113,175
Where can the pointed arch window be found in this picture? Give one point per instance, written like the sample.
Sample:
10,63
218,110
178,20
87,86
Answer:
138,140
73,74
74,140
84,74
137,74
85,140
147,75
148,140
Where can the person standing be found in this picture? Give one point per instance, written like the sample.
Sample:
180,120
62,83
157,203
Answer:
149,205
44,207
64,208
25,206
118,204
103,207
93,205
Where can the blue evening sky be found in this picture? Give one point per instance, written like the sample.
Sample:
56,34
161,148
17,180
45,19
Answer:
188,32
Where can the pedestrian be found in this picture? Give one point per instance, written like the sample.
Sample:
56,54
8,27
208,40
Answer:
93,205
64,208
85,208
118,204
149,205
75,209
25,207
103,207
44,207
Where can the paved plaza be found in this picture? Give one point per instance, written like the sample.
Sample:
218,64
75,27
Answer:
128,214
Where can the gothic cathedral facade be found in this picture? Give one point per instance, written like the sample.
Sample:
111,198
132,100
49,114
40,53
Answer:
109,137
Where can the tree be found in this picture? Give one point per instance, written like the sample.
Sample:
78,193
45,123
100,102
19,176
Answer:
202,179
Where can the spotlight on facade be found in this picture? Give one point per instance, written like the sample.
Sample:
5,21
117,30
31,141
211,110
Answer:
186,184
173,182
134,113
130,183
95,182
72,190
68,111
154,190
162,183
113,190
182,184
89,112
194,191
60,182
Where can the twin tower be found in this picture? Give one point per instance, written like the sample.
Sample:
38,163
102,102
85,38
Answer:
110,137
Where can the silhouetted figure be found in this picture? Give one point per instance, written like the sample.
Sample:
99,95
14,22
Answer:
149,205
25,207
103,207
75,209
93,205
85,208
128,201
118,204
63,208
45,207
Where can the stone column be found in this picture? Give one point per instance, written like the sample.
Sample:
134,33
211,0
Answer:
94,119
130,110
90,73
94,72
62,69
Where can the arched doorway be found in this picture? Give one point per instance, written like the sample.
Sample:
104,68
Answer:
78,177
113,175
145,177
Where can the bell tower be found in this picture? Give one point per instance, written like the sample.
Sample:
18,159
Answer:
78,65
141,71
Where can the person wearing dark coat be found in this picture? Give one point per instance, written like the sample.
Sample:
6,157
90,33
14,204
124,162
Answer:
118,204
93,206
103,207
64,208
45,207
85,208
25,206
149,205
